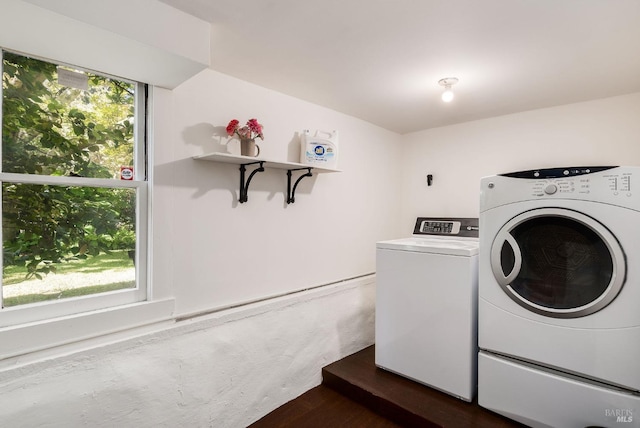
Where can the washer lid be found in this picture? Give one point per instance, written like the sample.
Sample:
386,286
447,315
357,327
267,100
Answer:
434,245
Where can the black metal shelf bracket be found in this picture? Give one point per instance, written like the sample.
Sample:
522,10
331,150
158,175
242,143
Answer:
244,186
291,193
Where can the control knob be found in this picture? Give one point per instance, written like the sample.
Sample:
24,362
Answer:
550,189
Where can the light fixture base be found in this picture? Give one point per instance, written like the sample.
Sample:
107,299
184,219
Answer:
448,81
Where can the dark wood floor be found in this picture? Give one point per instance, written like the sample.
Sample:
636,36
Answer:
355,393
323,407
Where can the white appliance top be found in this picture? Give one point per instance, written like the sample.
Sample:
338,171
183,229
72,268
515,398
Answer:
451,236
458,246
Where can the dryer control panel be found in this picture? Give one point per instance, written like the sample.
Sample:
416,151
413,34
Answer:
619,183
581,181
570,180
608,184
557,172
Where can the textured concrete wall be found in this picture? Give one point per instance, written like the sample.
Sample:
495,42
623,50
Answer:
226,369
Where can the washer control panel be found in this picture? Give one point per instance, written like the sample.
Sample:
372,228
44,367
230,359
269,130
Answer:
440,227
467,227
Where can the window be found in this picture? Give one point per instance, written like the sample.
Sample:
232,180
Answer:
558,263
74,190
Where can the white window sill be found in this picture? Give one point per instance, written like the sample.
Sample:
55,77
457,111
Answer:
28,342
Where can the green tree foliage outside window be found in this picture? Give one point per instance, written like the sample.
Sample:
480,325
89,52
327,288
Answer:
49,129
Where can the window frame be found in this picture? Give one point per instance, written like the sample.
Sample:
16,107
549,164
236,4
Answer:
42,311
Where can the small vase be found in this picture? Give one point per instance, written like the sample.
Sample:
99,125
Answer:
248,147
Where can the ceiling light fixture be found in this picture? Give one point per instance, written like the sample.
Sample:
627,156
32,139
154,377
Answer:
447,82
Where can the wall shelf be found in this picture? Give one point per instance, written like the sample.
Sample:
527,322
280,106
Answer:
245,161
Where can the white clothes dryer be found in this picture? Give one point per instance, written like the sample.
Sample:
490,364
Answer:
559,296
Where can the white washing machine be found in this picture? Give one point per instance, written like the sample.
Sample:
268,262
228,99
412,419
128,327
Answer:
426,305
559,296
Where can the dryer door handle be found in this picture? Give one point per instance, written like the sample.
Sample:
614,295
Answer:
496,259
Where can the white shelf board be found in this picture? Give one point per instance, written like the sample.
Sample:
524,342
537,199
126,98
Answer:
237,159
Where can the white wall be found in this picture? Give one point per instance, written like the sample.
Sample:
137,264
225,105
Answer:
600,132
225,252
97,35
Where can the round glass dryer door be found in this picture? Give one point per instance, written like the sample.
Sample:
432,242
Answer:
558,262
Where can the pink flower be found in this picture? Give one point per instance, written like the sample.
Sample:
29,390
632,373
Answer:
250,131
255,127
232,127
